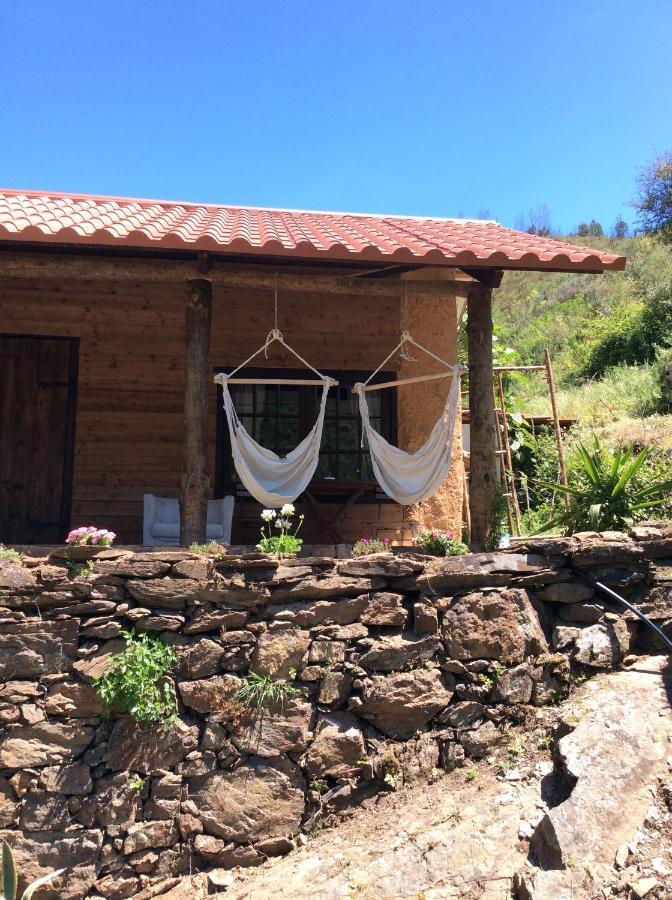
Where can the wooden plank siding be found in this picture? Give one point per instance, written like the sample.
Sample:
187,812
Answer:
131,378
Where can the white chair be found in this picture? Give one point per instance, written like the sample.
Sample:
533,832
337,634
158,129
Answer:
161,522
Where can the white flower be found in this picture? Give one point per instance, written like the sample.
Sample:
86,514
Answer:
268,515
283,523
287,510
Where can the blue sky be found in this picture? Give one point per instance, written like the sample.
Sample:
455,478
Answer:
434,107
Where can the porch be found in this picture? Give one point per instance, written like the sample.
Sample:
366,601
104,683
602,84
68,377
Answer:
109,346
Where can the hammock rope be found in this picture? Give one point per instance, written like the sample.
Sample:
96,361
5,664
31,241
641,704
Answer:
411,477
273,480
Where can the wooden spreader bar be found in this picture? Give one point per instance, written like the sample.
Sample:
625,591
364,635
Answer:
400,381
290,381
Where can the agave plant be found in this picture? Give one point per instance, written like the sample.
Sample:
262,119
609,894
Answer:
603,495
8,877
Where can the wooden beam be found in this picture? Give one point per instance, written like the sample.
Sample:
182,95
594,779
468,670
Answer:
483,458
223,273
491,278
195,481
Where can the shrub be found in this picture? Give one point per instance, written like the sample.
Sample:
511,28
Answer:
285,543
136,682
212,548
364,546
603,493
439,543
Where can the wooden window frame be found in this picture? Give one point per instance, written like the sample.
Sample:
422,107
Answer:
225,482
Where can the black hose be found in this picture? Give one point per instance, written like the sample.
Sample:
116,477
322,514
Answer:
614,596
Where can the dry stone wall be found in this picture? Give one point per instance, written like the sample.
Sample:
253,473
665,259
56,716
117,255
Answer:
405,665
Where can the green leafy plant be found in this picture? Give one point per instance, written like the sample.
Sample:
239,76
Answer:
137,784
602,492
286,543
439,543
265,691
9,879
137,681
78,569
364,546
471,774
8,553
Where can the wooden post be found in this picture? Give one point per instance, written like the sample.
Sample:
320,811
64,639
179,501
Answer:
483,459
556,421
195,482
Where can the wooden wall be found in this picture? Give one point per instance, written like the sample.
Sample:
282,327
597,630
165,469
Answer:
131,373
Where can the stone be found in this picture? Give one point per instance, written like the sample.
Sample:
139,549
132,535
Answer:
69,779
617,746
501,625
38,854
160,620
40,811
116,802
327,652
144,861
200,658
477,743
327,587
567,592
397,652
401,704
256,801
13,576
32,648
8,803
598,552
150,836
164,593
118,886
425,618
209,694
385,609
274,846
138,565
643,887
275,730
334,688
563,884
514,685
102,628
19,691
227,855
602,646
321,612
215,620
199,568
463,715
42,744
240,591
279,651
74,700
99,662
32,714
480,570
148,748
384,564
337,748
583,613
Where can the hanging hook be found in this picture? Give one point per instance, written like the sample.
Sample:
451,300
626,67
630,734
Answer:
403,352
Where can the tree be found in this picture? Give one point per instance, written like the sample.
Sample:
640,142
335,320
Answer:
583,230
620,228
595,229
654,202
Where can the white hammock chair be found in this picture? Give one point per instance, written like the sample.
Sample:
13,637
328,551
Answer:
273,480
411,477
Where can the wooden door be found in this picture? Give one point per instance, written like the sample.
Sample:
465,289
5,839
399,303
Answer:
38,384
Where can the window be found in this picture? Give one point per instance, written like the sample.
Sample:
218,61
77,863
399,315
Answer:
280,416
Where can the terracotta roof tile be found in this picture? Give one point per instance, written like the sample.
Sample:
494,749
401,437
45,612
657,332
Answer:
36,217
